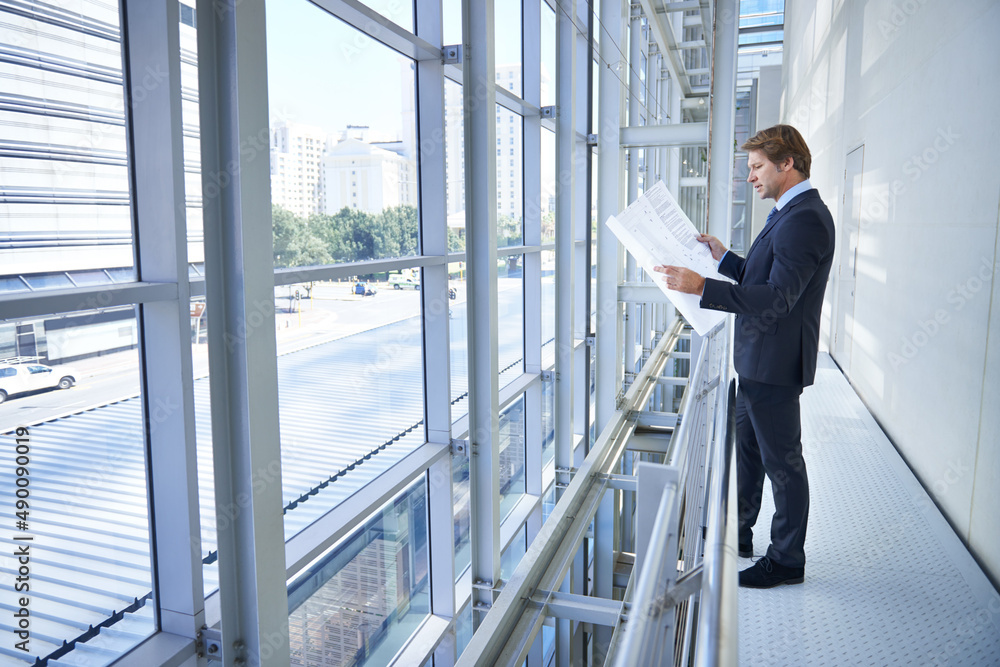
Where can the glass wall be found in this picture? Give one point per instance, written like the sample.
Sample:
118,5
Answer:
359,603
361,171
66,216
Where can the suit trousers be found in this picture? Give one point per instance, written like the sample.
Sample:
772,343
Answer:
769,441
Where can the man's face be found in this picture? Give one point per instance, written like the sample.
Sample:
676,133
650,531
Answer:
767,181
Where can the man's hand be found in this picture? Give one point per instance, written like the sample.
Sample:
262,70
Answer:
714,244
681,279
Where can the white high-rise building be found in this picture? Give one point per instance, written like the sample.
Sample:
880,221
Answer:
510,142
365,177
296,168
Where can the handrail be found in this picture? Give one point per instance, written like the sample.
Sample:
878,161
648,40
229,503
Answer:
506,633
701,440
717,636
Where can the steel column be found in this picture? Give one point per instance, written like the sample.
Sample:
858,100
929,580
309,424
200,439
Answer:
242,351
434,301
479,100
564,269
532,138
723,111
152,44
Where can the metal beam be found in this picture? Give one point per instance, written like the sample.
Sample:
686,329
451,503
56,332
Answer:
582,608
641,293
694,182
20,305
662,30
678,6
647,442
653,136
381,29
754,29
649,419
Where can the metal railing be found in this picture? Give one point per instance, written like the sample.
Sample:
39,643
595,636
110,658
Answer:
683,604
678,605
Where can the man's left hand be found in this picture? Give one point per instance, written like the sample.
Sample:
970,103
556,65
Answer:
681,279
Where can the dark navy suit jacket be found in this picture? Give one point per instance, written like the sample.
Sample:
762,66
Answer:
779,293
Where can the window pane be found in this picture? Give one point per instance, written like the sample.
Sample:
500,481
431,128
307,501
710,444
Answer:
454,150
511,456
192,137
548,185
457,331
513,554
451,11
510,309
461,500
548,422
548,307
507,41
510,179
350,390
360,603
76,428
548,52
343,176
65,170
399,12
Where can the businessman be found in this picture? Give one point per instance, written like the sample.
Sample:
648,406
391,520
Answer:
777,300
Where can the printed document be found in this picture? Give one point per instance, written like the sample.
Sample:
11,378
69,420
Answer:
656,231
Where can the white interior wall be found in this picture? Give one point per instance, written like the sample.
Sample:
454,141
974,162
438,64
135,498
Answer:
918,83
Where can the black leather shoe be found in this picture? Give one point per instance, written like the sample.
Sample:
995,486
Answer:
766,573
746,551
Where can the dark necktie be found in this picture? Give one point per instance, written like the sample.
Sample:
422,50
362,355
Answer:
770,216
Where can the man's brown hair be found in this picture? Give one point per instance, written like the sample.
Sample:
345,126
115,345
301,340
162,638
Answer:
780,142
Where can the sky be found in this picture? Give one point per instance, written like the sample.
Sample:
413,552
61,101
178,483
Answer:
324,73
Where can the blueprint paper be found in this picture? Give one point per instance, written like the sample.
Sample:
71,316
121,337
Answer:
656,231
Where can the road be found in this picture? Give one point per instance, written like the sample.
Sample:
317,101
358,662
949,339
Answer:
332,313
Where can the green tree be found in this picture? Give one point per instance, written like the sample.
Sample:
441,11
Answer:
400,225
296,242
508,231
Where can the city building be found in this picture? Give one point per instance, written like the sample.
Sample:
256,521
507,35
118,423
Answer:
297,173
367,177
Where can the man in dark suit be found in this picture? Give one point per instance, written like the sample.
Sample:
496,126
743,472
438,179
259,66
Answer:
777,301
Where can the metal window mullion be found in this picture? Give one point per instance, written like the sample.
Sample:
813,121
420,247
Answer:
435,308
581,226
722,108
609,265
22,305
479,111
564,293
632,177
609,335
382,29
291,276
532,173
242,349
152,44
